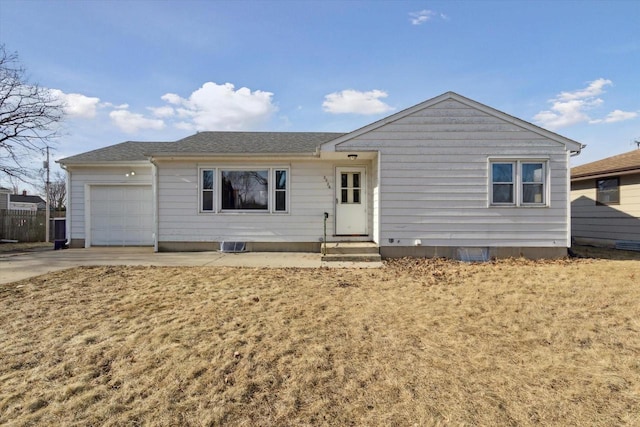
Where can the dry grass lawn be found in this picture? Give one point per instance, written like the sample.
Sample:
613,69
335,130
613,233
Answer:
419,342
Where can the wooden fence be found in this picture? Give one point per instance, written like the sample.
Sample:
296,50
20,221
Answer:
23,226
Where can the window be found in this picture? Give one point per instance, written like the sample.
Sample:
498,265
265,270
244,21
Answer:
350,187
532,183
206,200
503,180
518,183
281,190
244,190
608,191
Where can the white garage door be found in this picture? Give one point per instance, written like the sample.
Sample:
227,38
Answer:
121,215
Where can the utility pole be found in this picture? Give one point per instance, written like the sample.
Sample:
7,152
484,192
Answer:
48,213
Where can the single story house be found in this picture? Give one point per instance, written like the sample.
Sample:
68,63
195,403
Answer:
605,202
26,202
446,174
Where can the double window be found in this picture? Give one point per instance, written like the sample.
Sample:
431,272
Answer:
608,191
244,190
518,183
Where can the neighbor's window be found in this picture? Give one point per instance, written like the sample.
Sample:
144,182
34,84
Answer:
207,192
518,183
245,190
608,191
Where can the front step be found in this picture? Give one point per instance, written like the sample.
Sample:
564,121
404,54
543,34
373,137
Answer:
352,248
351,258
352,252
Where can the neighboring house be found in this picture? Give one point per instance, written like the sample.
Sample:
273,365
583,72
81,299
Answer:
605,202
4,198
25,202
445,174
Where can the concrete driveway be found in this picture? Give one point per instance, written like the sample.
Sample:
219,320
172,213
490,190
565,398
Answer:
22,265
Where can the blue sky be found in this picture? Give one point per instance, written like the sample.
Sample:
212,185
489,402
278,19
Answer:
162,70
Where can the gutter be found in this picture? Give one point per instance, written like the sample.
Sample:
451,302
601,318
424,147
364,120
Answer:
618,172
575,153
105,163
205,155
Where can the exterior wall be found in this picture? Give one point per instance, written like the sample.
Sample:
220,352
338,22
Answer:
434,181
604,225
4,200
312,192
82,176
23,206
450,252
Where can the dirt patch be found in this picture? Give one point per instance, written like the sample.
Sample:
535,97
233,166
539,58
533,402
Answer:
419,342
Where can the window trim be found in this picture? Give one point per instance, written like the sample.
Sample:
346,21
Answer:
271,189
518,183
601,203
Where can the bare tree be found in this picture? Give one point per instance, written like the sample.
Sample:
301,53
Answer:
57,189
28,118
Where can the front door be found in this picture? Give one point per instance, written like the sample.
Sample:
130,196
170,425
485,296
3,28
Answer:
351,201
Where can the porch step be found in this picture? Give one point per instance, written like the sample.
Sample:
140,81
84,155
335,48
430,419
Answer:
352,252
352,248
352,258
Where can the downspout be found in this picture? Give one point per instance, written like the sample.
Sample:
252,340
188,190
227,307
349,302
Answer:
569,155
154,184
67,214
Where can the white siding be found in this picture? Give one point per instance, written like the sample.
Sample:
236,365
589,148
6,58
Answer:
613,222
434,180
312,193
81,176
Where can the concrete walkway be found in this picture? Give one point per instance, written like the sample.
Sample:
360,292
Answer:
22,265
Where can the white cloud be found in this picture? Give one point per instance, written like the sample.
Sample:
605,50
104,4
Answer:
133,122
221,107
162,112
570,108
353,101
171,98
76,104
117,107
594,89
616,116
420,17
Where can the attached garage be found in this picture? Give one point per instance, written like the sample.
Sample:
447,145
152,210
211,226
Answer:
121,215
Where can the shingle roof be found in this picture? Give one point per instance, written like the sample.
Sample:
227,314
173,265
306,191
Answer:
211,143
611,165
21,198
254,142
125,151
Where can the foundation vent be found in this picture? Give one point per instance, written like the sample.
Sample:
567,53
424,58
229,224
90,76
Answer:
472,254
233,247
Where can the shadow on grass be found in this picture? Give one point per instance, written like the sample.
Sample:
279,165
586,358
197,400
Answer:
605,253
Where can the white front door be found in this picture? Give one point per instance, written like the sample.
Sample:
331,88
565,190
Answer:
351,201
